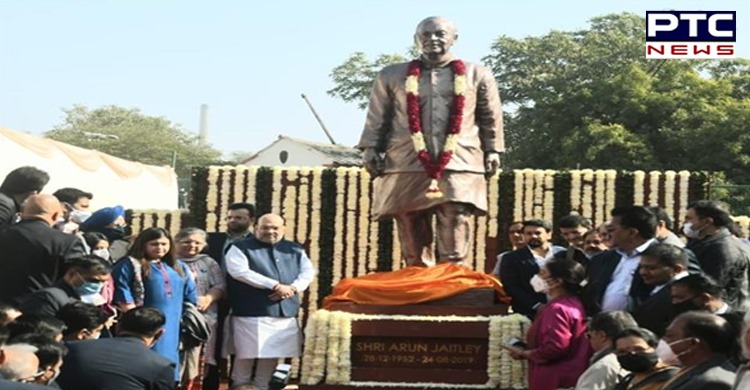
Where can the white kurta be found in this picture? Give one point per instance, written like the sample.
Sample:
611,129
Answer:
265,337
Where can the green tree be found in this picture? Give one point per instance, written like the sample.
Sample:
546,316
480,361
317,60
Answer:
129,134
589,98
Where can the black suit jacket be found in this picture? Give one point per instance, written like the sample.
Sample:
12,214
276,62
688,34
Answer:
656,312
49,300
120,363
215,247
516,270
32,256
715,374
8,209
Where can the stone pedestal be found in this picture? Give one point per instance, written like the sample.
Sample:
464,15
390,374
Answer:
405,347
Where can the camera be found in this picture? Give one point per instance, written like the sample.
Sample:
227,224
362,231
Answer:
280,377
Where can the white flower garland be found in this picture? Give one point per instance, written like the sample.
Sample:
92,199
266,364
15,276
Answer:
351,224
539,194
365,227
684,184
226,173
317,174
575,191
549,195
239,182
303,205
669,187
338,239
290,204
334,345
653,193
518,195
528,193
252,174
212,195
586,196
502,370
308,355
609,197
276,190
492,208
743,222
639,180
600,213
320,348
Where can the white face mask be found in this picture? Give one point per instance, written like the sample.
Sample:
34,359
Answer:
689,231
79,216
667,355
539,284
103,253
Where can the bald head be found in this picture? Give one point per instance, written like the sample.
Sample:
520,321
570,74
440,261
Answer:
270,228
42,206
713,331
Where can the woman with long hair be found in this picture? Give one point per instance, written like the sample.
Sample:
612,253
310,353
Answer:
558,350
151,276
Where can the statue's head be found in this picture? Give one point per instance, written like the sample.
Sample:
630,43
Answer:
434,37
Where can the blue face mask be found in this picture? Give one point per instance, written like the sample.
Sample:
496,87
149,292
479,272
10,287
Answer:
89,288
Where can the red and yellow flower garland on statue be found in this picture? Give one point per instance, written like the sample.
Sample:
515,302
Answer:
434,169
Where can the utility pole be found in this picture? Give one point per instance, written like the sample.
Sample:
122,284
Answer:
320,121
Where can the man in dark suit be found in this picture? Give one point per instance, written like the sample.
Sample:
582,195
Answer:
660,266
32,253
240,218
701,341
519,266
720,254
121,363
18,185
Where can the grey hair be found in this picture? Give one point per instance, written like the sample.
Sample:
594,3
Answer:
450,24
189,231
21,364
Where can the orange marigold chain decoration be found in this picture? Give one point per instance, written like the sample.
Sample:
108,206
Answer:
434,169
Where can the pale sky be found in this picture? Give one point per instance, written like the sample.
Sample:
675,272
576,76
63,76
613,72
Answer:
248,60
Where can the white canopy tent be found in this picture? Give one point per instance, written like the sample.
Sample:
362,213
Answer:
112,180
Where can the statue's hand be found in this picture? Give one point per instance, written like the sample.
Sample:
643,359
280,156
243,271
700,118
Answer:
491,163
372,161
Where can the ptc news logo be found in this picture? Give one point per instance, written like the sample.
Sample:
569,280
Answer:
691,34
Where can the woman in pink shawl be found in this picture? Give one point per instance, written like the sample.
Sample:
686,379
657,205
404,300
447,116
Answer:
558,350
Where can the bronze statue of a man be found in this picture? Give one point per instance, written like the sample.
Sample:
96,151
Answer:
434,132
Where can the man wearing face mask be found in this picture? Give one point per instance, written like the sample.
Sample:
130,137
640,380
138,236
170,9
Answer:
434,132
124,362
33,254
76,203
83,279
720,255
701,343
519,269
698,292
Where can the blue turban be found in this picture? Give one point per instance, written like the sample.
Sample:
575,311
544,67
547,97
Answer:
103,217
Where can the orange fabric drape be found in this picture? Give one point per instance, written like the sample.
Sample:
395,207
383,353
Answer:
413,285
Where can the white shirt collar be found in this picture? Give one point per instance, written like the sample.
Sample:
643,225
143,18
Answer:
723,309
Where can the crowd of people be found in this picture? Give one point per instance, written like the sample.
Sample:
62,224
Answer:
86,305
631,304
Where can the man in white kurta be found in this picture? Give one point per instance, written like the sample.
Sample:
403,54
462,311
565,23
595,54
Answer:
266,274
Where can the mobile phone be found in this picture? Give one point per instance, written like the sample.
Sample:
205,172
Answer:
516,342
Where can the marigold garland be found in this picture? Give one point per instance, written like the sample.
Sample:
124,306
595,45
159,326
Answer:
434,169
